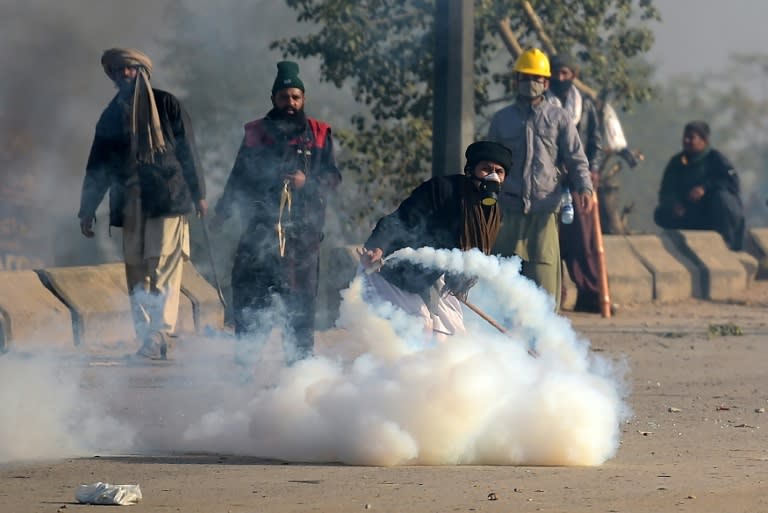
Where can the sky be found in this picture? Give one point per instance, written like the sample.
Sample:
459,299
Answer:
696,36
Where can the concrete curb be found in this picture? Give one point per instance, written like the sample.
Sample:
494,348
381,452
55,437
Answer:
98,298
723,277
672,274
629,281
757,246
31,316
88,306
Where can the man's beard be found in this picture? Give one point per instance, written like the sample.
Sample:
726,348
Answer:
560,87
125,87
290,120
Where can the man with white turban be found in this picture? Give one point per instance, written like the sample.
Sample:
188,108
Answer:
144,153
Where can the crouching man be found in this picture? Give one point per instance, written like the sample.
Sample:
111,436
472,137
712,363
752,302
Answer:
445,212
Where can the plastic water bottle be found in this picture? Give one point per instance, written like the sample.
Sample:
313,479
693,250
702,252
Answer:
566,207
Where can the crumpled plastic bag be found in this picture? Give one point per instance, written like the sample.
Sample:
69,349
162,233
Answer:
108,494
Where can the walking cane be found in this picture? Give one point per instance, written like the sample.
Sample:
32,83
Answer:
491,321
213,265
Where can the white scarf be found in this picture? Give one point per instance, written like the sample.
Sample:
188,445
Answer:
573,103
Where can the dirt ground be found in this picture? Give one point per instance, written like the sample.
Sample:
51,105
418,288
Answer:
697,441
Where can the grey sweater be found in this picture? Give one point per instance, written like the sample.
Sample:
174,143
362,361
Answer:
542,139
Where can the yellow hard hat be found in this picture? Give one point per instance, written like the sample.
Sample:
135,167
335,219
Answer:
533,62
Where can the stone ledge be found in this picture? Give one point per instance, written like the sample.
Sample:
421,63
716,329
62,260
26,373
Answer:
628,279
97,297
31,316
723,276
672,273
757,246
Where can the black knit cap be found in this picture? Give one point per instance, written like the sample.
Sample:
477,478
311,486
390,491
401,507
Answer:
489,151
287,76
564,60
699,127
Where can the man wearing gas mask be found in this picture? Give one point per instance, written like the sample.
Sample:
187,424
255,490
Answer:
284,170
547,150
446,212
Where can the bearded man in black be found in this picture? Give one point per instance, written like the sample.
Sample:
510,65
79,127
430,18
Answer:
284,170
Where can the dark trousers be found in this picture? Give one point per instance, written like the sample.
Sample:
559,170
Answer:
578,248
718,210
268,289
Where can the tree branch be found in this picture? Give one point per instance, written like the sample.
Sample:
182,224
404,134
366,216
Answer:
509,38
539,28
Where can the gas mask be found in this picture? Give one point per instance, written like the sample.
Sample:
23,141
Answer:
489,187
530,88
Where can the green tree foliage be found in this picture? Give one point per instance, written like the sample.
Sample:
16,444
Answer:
382,49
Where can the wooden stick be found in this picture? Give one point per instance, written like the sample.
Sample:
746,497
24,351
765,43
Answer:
605,295
491,321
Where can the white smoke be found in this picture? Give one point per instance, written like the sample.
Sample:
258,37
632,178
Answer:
380,398
46,414
379,392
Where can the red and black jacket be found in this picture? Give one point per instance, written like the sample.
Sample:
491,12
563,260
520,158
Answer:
254,186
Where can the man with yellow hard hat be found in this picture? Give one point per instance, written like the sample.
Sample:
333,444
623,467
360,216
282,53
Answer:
546,152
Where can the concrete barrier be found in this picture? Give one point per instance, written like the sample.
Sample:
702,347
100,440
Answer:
88,306
628,279
723,275
757,246
97,297
31,316
674,276
750,265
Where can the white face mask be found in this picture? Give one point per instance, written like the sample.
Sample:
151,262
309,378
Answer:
493,177
530,89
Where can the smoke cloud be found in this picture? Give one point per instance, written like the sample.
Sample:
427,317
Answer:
46,414
386,395
381,392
